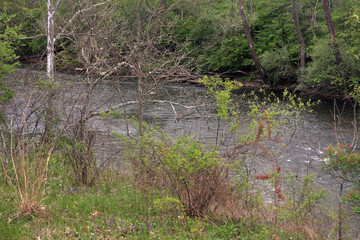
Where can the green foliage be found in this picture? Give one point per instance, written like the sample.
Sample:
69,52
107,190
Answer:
305,200
344,164
47,86
270,117
230,54
184,167
212,38
275,40
323,68
27,14
8,36
212,31
77,150
354,197
222,92
350,32
270,114
186,157
278,65
206,24
204,29
67,58
274,27
168,204
342,158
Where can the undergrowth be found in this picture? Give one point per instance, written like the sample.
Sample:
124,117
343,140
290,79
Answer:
117,210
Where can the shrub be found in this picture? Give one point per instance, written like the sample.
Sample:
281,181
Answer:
197,177
323,71
344,165
78,148
230,54
277,64
323,68
305,211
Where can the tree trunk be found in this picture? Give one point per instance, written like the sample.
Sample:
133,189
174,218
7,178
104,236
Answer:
313,17
328,19
138,68
50,69
251,43
340,235
331,28
300,39
50,41
182,10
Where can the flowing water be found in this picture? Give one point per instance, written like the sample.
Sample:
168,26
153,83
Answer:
314,132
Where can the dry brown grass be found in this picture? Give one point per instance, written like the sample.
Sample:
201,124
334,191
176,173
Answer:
30,177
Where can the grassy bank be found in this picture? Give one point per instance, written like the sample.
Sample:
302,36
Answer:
44,201
116,209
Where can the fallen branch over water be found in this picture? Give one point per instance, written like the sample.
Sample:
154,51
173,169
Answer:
172,104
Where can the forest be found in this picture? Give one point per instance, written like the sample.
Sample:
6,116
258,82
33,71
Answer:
309,45
251,72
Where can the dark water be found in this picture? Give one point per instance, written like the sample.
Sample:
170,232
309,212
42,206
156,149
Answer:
313,133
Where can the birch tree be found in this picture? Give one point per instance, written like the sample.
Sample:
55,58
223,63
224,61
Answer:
50,66
52,8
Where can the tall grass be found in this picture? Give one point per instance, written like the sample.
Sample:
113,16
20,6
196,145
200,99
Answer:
25,166
30,177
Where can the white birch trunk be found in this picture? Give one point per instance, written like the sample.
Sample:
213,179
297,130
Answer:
50,41
50,71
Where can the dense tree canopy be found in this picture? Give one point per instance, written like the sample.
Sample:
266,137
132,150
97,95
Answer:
293,39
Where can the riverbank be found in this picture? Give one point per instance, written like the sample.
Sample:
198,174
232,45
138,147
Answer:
116,208
249,81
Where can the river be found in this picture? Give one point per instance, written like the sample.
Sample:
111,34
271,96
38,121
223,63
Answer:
314,131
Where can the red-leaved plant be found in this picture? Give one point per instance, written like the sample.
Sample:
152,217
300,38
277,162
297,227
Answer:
275,176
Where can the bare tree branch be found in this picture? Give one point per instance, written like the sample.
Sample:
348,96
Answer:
57,5
77,13
113,108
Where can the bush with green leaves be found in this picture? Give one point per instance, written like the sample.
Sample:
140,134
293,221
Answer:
344,165
305,203
221,90
258,145
278,65
354,197
78,153
230,54
323,68
324,72
196,174
188,171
